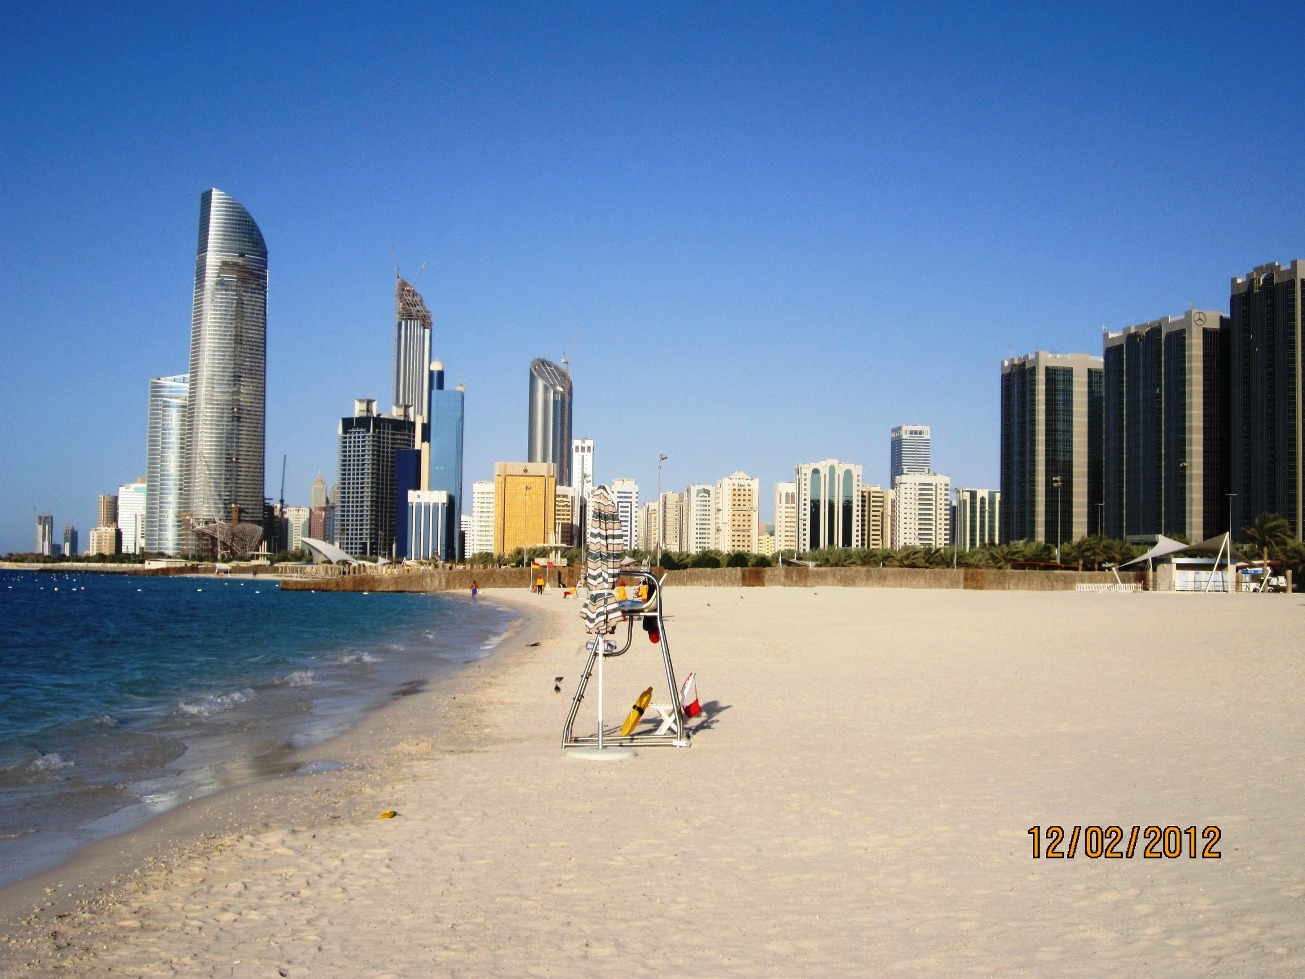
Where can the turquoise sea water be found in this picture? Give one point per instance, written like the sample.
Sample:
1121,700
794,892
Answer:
122,696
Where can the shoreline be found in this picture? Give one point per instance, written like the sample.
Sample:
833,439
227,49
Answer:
371,753
857,799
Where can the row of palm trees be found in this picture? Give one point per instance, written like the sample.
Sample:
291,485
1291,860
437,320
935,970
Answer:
1268,537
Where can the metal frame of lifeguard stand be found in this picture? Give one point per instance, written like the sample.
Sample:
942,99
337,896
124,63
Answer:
652,609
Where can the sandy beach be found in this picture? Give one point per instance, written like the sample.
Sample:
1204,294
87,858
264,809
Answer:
857,800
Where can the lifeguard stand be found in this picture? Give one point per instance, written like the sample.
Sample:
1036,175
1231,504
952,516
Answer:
603,615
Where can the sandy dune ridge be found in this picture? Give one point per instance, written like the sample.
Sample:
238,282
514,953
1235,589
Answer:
856,801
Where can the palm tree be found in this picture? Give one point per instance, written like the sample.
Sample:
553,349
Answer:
1268,532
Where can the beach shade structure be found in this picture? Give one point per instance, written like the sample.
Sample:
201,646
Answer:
603,613
1218,548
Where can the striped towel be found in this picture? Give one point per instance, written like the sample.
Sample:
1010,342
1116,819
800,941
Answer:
605,545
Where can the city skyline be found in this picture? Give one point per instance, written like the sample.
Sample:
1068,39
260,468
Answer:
722,208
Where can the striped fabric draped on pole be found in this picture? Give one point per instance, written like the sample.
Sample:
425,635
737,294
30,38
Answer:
605,545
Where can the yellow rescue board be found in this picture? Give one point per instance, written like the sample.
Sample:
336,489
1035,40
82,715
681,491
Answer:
636,712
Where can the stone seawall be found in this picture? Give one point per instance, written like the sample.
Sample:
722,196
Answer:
789,576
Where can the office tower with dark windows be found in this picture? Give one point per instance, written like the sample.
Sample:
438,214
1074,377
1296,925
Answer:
366,512
1265,380
829,505
1051,446
909,450
164,427
1165,467
412,346
222,470
549,438
69,541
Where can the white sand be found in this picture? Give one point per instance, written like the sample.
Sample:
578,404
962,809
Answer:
855,802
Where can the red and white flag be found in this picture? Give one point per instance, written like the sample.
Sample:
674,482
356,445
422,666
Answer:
689,696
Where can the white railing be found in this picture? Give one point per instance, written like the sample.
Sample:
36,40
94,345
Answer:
1109,586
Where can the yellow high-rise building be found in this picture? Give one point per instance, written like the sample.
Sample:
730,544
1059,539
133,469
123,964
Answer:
525,501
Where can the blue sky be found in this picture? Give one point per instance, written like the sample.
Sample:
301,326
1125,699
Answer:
763,234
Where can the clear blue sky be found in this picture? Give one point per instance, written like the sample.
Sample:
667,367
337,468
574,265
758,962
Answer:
763,233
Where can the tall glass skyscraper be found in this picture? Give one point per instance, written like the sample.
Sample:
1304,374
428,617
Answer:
225,436
1165,395
412,326
165,425
444,470
1266,410
1052,413
550,418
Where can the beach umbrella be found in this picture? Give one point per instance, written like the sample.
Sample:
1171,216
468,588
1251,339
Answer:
604,546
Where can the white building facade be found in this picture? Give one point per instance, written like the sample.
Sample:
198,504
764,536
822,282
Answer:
625,494
922,516
480,539
131,516
828,505
785,518
737,513
698,519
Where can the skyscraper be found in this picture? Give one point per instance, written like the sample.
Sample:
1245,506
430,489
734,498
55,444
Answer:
829,505
1266,374
1051,446
785,517
550,418
976,518
481,538
441,448
44,534
165,426
317,493
922,511
412,338
698,518
366,515
878,506
738,506
224,437
525,498
909,450
582,466
132,501
1165,469
625,494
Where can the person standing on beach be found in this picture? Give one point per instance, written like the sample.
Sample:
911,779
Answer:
474,588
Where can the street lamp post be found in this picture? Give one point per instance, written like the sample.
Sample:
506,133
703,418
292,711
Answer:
1055,482
661,509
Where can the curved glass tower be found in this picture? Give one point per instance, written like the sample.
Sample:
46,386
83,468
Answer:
550,418
224,437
